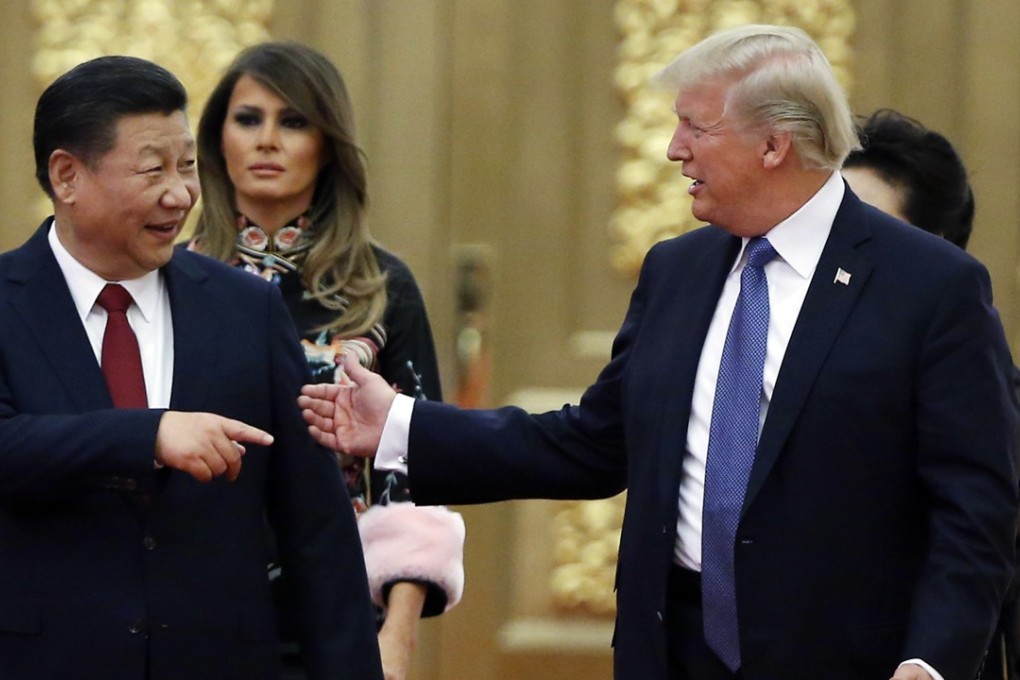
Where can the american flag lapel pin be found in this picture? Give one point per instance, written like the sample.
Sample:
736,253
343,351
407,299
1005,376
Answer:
842,276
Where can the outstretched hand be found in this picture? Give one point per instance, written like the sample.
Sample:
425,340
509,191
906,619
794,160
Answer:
348,417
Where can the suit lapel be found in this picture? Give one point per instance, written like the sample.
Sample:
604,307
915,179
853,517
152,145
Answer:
695,290
826,307
40,296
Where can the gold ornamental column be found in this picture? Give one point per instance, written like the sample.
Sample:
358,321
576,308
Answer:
194,39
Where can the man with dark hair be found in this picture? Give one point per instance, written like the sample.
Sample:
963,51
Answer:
139,385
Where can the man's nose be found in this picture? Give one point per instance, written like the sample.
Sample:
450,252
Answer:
181,192
678,150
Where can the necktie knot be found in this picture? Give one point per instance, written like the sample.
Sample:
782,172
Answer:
114,298
759,252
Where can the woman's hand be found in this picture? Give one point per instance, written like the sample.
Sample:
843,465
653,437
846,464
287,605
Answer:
399,633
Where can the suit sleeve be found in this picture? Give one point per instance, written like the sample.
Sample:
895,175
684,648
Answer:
47,455
578,452
966,429
317,536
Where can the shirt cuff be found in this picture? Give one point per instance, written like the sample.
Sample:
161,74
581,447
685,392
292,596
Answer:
931,671
392,452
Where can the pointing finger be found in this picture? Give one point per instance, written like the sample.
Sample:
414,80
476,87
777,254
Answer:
242,432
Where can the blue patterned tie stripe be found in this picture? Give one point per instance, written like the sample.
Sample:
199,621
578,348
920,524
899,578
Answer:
733,438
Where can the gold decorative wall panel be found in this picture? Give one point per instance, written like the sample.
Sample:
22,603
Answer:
653,204
653,200
195,39
587,536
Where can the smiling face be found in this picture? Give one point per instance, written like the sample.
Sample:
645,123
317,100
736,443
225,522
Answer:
725,158
272,153
121,215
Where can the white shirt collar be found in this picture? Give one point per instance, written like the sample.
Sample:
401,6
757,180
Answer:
800,238
85,285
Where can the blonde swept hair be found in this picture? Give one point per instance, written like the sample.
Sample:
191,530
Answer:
340,270
780,79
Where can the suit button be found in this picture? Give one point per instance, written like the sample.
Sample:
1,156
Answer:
130,484
149,543
135,628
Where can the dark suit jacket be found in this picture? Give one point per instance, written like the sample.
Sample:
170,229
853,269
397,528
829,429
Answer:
879,519
93,584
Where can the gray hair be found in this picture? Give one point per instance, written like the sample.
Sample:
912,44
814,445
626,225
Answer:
781,79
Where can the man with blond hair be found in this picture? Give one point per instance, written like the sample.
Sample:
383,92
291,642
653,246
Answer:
807,402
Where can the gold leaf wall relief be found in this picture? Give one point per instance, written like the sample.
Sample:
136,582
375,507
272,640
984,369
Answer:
587,537
195,39
652,196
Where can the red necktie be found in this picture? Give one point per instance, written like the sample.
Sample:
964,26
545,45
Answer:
122,362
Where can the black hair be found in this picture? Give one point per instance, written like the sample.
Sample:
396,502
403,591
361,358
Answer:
80,110
924,165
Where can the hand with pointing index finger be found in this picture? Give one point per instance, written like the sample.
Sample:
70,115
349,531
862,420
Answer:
205,445
348,417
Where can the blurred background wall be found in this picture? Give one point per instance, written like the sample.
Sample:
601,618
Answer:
496,145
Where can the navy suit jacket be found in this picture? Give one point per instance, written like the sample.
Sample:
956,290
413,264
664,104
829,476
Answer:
94,584
878,523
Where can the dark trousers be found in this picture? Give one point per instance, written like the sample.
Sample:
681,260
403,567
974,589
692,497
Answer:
689,656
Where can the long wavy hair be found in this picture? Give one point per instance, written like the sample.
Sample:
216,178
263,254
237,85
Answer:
340,270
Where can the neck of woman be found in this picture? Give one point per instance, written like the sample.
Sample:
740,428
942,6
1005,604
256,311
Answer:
271,216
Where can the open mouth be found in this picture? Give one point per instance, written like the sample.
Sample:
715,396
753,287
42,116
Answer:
167,228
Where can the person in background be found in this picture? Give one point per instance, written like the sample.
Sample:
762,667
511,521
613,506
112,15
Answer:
808,404
284,197
148,429
914,173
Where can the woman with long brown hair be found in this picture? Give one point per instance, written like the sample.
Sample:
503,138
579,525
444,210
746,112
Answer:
284,197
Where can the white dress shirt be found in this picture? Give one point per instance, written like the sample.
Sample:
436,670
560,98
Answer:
798,241
149,318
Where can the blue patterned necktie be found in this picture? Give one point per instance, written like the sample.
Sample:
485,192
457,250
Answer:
732,440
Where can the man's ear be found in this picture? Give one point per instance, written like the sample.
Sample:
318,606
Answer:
776,147
65,172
